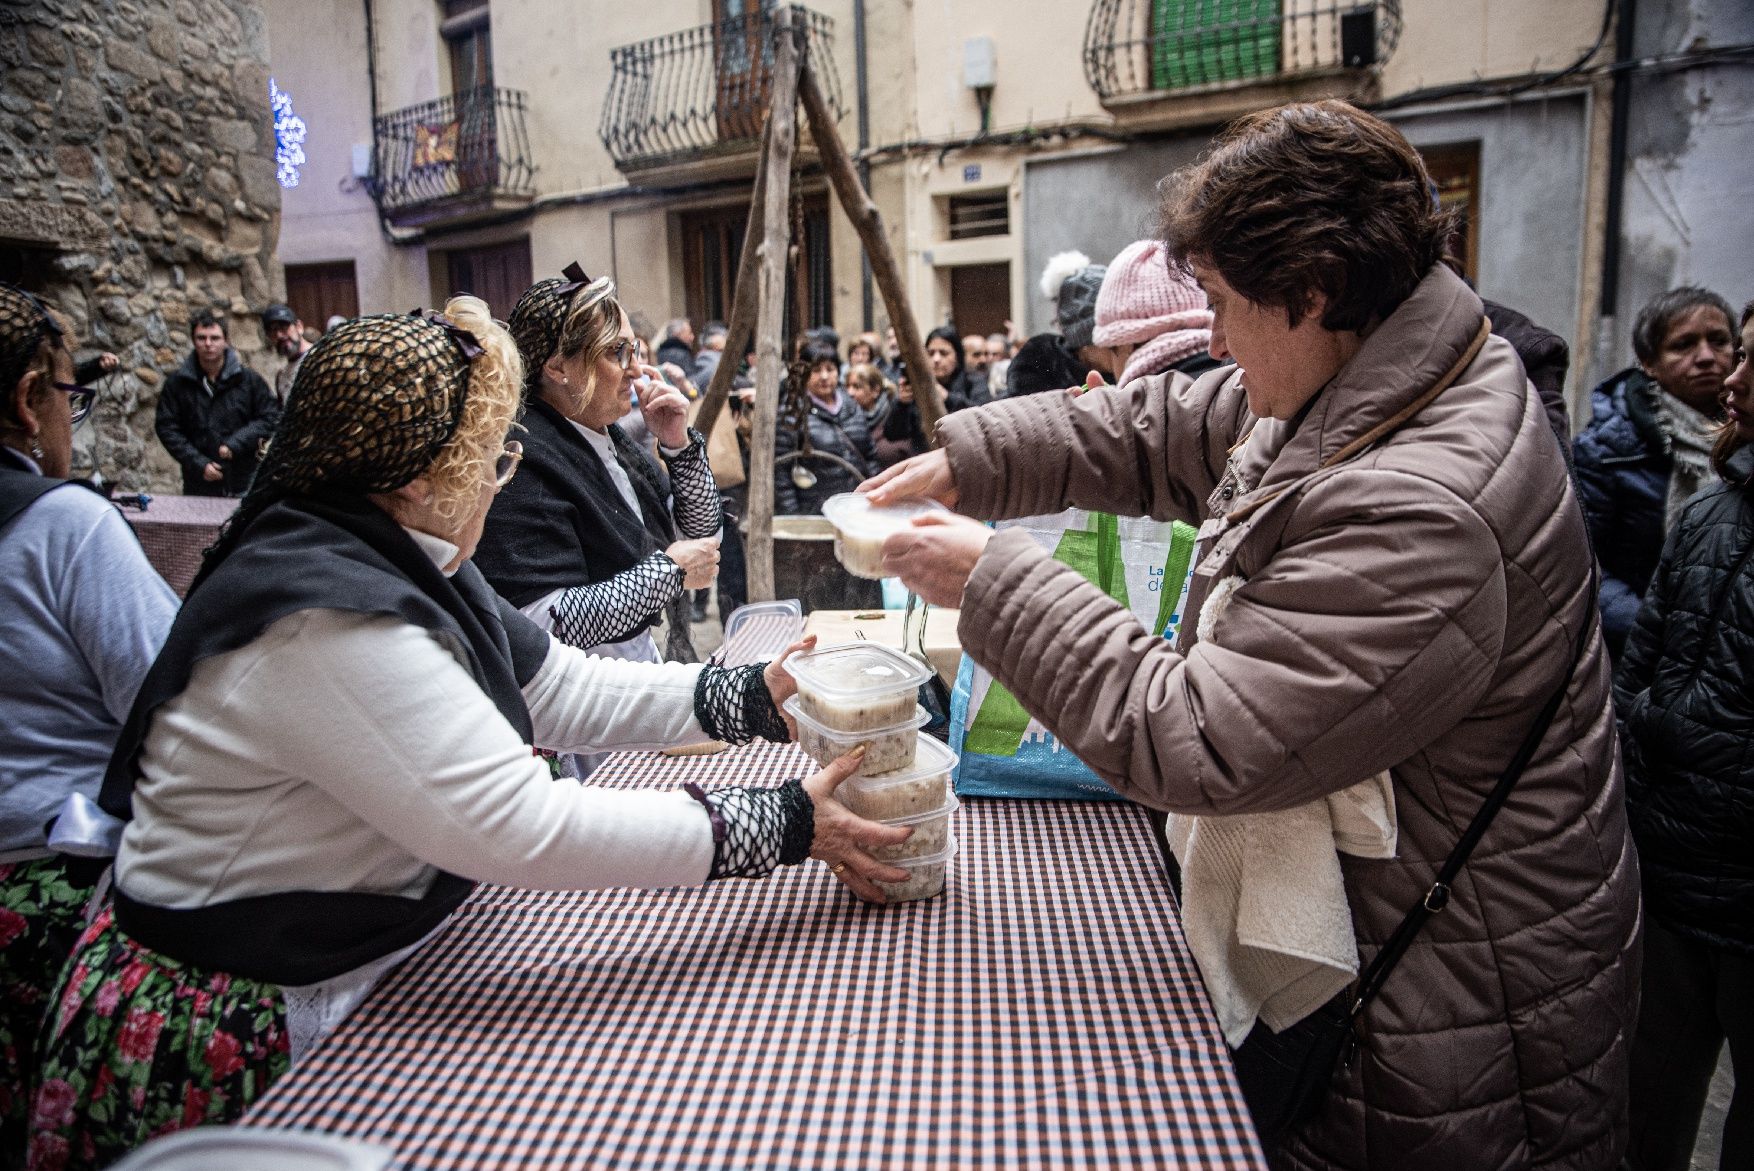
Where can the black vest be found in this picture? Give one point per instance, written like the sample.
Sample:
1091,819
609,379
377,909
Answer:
562,522
316,554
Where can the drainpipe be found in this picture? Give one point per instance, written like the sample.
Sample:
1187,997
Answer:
1624,21
864,96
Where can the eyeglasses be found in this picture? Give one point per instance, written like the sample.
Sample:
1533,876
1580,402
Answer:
507,465
627,355
79,399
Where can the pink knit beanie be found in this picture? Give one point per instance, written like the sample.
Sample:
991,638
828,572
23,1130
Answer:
1141,298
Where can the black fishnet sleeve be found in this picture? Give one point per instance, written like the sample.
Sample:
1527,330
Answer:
757,830
610,611
693,492
733,704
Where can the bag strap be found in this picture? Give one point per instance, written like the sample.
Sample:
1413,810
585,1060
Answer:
1438,896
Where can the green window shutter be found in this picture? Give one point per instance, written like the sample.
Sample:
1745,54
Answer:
1198,42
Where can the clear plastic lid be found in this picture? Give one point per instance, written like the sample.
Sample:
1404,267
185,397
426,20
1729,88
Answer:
931,756
951,805
854,671
805,720
230,1148
853,514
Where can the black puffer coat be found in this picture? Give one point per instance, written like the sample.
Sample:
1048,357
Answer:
840,433
1685,691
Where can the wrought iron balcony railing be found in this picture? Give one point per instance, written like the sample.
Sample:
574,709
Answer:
703,91
1141,48
452,155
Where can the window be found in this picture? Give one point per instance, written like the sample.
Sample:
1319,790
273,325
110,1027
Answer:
468,36
1455,171
971,216
25,265
318,292
1198,42
497,273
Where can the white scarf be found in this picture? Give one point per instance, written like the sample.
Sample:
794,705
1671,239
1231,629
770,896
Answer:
1690,435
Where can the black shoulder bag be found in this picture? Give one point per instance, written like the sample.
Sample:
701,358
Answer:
1286,1076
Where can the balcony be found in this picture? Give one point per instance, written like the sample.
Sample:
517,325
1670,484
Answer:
452,160
693,103
1156,63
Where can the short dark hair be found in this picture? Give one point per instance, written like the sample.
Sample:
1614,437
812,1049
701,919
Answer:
205,318
1309,198
815,354
1654,320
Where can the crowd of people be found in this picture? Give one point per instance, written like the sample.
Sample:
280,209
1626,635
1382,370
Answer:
1528,662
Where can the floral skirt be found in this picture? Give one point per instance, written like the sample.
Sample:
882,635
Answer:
139,1045
42,912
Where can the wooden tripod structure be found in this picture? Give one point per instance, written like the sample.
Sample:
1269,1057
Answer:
760,296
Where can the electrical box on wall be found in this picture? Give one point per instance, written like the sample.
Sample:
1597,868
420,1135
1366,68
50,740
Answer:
980,67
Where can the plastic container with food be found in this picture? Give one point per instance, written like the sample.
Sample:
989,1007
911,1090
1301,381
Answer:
925,876
918,791
860,529
858,686
889,748
931,834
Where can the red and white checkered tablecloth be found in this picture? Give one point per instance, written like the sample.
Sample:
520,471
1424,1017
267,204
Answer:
1043,1012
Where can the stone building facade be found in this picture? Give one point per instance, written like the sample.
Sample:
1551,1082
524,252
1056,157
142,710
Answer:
137,186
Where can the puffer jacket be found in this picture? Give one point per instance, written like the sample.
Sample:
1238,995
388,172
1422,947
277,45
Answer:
839,433
1623,464
1411,600
1686,690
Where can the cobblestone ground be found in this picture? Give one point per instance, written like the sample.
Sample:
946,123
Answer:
1706,1149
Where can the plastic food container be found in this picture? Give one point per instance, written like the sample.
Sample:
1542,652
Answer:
919,791
926,876
858,686
213,1148
860,529
890,748
931,835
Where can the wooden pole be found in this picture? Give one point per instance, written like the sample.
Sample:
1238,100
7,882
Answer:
742,324
868,222
770,363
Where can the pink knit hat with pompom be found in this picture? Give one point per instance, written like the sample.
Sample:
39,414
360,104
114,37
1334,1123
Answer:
1141,299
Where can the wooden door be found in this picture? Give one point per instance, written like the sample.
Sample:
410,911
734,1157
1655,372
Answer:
497,273
980,298
318,292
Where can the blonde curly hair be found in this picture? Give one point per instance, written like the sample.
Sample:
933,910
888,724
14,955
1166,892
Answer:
490,408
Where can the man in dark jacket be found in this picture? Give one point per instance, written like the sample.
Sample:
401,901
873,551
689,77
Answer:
1646,450
214,413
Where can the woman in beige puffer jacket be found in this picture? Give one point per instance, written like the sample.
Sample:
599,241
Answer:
1416,579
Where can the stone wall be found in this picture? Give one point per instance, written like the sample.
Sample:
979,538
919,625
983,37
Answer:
137,166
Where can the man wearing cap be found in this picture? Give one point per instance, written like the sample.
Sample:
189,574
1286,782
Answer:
286,333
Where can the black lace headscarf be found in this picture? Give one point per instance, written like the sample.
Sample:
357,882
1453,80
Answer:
539,318
25,326
372,406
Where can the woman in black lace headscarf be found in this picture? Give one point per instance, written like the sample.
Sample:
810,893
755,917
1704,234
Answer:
335,745
595,541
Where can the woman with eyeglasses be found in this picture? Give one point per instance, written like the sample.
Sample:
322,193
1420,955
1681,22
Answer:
595,541
335,746
82,614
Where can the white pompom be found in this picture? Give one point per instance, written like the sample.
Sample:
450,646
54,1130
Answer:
1060,266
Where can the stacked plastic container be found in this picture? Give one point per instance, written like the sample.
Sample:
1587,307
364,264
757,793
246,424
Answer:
862,693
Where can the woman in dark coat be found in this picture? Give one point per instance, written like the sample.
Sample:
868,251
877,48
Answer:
950,371
1647,447
594,542
1685,690
836,425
